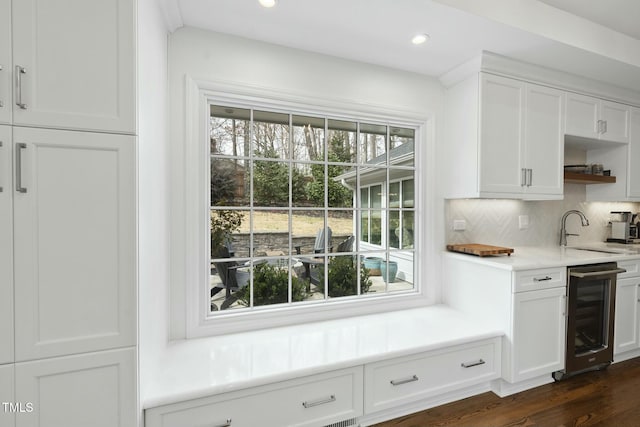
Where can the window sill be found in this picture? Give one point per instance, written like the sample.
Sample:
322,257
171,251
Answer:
191,369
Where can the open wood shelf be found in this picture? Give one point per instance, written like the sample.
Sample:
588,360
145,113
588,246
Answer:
585,178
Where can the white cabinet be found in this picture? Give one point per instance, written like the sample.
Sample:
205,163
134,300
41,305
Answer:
93,389
633,159
6,247
626,323
5,62
528,305
539,333
74,64
310,401
7,416
504,139
590,117
394,382
74,222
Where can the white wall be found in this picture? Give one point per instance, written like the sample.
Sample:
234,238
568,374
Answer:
153,194
221,58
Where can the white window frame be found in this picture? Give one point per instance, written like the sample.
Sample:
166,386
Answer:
194,224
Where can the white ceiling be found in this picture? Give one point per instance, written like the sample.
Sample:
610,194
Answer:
379,31
620,15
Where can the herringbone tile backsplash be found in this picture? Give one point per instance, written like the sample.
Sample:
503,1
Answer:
495,222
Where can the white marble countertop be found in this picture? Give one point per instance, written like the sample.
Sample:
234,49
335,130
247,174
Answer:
532,257
196,368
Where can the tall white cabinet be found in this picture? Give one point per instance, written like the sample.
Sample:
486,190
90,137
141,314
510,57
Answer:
68,309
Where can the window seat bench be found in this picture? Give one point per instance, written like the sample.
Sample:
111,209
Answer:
355,355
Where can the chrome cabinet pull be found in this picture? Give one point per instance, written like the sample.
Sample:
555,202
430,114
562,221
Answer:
472,364
226,424
530,177
405,380
319,402
523,178
544,279
19,72
19,147
604,126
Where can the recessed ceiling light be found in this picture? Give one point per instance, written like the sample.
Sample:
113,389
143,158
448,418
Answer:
267,3
420,38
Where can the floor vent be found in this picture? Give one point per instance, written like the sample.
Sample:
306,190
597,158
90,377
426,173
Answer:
352,422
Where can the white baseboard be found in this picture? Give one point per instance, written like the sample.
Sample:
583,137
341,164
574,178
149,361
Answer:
503,388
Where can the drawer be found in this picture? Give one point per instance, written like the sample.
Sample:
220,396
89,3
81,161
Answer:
394,382
632,267
316,400
543,278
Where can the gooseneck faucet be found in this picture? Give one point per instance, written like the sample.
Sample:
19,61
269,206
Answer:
563,227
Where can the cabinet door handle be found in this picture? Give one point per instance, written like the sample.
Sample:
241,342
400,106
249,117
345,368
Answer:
226,424
599,126
405,380
543,279
19,72
472,364
19,147
523,177
604,126
529,177
319,402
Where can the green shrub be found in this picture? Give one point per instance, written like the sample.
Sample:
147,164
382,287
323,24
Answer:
271,285
343,277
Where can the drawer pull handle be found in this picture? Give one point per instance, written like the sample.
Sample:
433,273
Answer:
19,147
227,424
472,364
319,402
544,279
405,380
18,88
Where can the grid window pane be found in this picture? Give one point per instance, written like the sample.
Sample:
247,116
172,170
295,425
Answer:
283,189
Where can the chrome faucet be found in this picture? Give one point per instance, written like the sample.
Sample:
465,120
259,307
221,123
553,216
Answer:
563,228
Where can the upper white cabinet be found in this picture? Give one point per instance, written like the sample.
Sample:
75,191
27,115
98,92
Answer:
75,242
6,247
73,64
504,139
633,159
595,118
5,61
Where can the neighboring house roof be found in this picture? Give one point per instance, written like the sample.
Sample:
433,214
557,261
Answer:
403,155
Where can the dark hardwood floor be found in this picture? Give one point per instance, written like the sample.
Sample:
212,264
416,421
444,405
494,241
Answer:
606,398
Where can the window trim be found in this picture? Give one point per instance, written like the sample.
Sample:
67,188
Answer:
188,266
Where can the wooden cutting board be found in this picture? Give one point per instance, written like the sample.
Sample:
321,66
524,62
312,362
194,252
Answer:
480,249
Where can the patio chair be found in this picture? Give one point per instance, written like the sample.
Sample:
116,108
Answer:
232,278
318,247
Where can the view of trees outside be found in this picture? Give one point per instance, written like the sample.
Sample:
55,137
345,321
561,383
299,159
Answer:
286,176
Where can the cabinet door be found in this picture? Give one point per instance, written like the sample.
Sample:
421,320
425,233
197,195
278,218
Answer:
5,61
544,139
634,154
6,247
616,121
626,323
501,134
582,116
539,333
75,240
7,416
78,59
94,389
